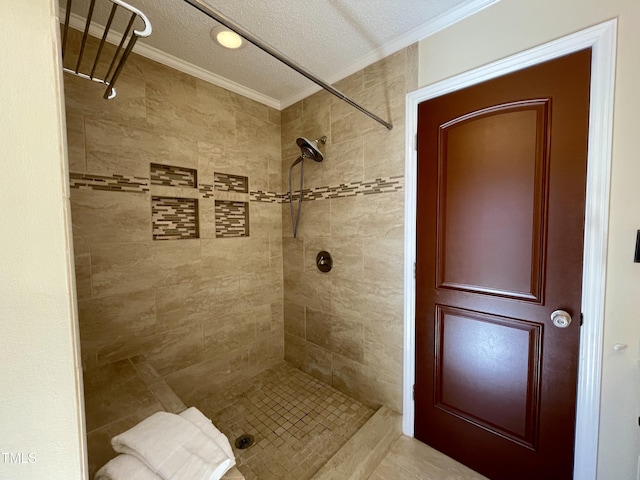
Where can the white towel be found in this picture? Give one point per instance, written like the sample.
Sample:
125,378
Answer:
174,448
125,467
196,417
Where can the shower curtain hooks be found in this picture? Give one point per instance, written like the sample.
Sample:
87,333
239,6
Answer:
262,45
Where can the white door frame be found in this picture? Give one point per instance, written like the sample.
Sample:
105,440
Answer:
602,39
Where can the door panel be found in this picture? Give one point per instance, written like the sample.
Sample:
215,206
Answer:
493,160
501,192
486,372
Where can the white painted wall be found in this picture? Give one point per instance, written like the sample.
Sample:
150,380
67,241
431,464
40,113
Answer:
511,26
41,413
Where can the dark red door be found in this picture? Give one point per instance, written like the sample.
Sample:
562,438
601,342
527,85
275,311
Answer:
501,193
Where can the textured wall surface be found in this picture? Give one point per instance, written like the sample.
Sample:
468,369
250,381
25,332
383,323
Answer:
197,309
346,326
41,424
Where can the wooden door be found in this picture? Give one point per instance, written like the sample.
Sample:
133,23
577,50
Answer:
501,194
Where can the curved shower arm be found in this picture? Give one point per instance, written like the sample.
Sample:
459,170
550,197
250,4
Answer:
262,45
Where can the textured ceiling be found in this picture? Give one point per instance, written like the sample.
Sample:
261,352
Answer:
330,38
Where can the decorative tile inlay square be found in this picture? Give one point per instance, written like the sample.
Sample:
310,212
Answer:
232,219
174,218
224,182
171,176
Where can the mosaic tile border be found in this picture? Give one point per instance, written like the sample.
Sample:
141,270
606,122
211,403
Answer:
112,183
172,176
206,190
225,182
174,218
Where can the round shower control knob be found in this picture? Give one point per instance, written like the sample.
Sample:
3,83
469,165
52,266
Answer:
561,319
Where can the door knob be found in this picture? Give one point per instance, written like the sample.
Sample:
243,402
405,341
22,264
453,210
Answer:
561,319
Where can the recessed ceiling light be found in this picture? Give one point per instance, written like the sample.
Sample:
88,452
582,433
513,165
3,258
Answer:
227,38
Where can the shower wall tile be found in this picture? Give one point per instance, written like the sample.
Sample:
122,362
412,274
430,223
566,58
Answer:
318,328
117,148
266,219
128,108
75,141
367,300
105,319
346,252
130,267
294,319
368,216
173,176
312,291
177,349
82,263
233,256
227,333
387,68
384,259
182,297
104,217
383,346
192,303
314,220
357,323
226,182
232,219
384,154
345,164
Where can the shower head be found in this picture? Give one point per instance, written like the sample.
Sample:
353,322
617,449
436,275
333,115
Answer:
310,148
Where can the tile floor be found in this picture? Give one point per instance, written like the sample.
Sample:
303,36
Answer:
298,423
410,459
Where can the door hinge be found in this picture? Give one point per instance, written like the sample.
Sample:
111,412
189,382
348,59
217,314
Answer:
414,391
581,318
414,270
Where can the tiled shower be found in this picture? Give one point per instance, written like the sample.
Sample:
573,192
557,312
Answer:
185,260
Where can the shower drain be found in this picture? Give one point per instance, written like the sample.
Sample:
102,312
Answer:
244,441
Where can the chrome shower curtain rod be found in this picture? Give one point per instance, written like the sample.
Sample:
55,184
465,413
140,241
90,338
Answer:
227,22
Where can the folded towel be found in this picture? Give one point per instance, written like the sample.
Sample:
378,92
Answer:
125,467
196,417
174,448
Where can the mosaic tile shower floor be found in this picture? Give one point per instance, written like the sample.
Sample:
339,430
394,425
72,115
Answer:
298,423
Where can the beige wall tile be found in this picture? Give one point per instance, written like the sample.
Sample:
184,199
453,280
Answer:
319,326
383,346
384,260
294,319
347,338
344,163
110,217
125,150
228,333
265,219
219,156
314,219
294,352
384,153
176,349
366,300
116,318
312,291
232,256
413,67
346,252
317,362
274,116
293,255
130,267
384,70
377,389
345,375
75,141
82,263
129,106
379,215
293,112
190,303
